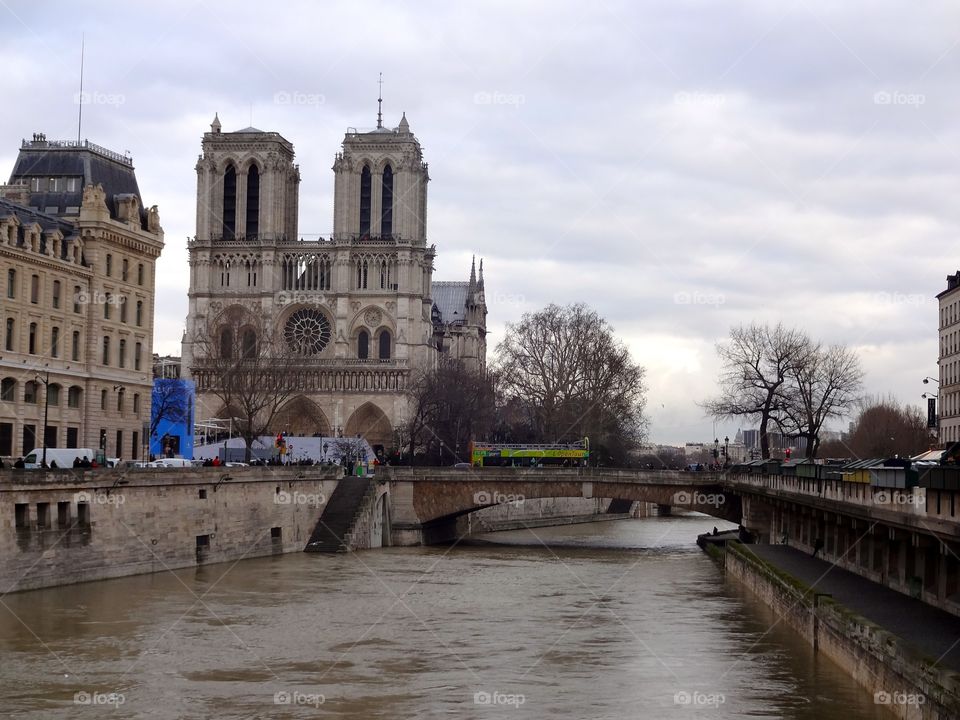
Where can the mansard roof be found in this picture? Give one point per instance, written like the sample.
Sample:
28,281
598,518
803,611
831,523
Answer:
450,300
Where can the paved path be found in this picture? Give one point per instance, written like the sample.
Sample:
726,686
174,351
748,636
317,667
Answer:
933,632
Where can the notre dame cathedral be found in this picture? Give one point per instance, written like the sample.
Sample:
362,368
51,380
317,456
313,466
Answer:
361,307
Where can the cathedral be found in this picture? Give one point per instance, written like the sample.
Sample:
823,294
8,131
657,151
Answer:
359,310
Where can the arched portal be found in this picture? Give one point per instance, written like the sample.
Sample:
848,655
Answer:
370,422
301,416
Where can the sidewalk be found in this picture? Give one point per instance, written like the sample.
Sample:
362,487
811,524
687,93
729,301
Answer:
931,631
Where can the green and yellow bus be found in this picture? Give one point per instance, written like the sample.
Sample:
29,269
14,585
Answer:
483,454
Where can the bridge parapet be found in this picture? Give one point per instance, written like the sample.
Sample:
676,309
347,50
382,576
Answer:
559,474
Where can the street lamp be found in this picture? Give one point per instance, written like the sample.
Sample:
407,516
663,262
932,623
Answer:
45,379
726,449
926,380
930,395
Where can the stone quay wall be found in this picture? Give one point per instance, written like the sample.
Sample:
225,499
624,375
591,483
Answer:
65,526
875,658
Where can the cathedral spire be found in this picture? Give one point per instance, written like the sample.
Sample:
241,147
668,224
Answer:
473,276
215,125
480,281
380,103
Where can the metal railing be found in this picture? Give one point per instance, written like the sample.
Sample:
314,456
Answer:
76,145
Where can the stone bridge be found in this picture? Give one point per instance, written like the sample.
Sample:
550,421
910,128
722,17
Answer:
426,502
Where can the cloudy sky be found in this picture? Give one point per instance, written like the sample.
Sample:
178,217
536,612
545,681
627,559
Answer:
680,166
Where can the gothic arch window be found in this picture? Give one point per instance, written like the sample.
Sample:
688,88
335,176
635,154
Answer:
384,342
249,344
363,345
226,343
253,202
365,196
230,202
363,270
386,216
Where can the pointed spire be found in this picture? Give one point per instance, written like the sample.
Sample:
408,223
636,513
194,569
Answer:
480,282
380,103
473,270
215,125
404,125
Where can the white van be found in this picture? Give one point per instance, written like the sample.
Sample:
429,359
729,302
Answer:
171,463
63,457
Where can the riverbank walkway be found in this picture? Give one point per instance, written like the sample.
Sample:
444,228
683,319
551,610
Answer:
933,632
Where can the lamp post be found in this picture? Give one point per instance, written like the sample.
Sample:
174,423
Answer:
928,379
726,450
45,379
716,451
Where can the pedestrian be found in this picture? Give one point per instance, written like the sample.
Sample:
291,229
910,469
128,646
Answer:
817,546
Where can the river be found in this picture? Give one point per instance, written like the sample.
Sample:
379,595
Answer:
624,619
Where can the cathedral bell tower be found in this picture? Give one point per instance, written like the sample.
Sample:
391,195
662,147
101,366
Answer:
247,186
380,186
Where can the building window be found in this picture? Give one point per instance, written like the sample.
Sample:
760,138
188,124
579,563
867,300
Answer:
124,269
8,389
362,274
226,343
103,400
74,395
140,274
6,438
122,353
363,345
123,308
107,302
35,289
75,346
136,403
365,180
30,392
120,394
386,215
385,345
253,202
139,313
137,350
119,443
53,394
229,202
249,344
135,445
109,264
73,437
77,295
11,283
56,294
106,350
55,342
11,325
32,339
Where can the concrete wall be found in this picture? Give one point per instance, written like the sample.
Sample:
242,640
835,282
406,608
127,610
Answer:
537,512
150,520
873,657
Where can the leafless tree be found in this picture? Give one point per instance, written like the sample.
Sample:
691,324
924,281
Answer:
249,369
884,428
825,385
564,368
169,402
758,362
449,406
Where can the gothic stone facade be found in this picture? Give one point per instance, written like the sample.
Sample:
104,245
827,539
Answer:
360,308
77,257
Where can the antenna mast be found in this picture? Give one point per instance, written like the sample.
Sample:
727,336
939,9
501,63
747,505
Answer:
80,96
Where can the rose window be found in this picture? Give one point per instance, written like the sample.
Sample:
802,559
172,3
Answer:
307,332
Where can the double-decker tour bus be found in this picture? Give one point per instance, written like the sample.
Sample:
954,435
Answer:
483,454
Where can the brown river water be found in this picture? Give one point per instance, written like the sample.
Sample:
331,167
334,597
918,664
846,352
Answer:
624,619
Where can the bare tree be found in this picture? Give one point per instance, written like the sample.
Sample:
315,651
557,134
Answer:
169,402
885,428
758,362
570,376
249,369
825,385
450,406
